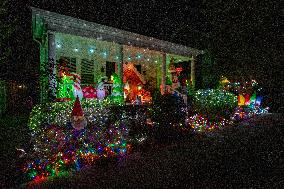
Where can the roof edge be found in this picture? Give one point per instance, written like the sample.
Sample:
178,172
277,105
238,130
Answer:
66,24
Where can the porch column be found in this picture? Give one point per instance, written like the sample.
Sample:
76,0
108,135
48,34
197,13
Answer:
120,71
120,63
164,73
192,71
52,65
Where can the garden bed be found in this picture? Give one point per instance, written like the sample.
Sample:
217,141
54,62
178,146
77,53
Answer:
112,131
60,148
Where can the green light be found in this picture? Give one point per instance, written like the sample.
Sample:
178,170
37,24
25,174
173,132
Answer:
117,92
214,103
66,88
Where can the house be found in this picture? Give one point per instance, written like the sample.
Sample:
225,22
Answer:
95,51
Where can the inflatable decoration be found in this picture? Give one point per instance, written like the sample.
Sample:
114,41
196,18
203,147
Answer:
89,92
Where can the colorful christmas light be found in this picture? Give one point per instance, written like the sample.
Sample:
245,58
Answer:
200,123
60,149
215,103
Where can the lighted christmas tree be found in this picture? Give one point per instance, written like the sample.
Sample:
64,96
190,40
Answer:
117,90
65,81
65,89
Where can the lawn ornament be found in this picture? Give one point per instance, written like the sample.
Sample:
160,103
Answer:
89,92
101,93
78,120
77,91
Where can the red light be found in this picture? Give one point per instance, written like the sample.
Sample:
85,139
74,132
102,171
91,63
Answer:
178,69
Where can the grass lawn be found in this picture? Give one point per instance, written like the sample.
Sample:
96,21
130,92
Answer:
13,134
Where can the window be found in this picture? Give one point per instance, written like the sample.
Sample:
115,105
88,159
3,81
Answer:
138,68
70,63
110,69
87,71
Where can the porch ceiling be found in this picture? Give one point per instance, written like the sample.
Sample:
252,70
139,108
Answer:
65,24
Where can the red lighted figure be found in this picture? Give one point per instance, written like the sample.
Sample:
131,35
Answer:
77,116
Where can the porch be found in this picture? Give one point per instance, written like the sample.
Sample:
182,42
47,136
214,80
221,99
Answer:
95,51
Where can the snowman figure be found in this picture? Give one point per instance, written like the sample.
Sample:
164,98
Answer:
101,93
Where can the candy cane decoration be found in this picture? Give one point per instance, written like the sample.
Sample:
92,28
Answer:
77,85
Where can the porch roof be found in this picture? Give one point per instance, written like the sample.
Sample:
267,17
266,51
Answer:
55,22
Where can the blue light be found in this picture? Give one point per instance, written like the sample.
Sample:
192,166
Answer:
105,54
91,50
77,164
258,100
139,56
58,45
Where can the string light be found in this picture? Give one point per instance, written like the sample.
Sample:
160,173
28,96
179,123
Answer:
200,123
58,45
91,50
59,149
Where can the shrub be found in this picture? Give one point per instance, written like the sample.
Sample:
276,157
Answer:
168,109
214,103
168,112
59,112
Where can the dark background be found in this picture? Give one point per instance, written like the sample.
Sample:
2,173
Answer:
244,39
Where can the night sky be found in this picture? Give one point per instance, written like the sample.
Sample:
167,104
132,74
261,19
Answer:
244,37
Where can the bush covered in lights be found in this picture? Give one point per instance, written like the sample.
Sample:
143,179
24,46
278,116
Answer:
59,112
59,148
58,151
214,103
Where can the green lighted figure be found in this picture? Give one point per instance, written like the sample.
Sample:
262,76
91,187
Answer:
65,83
66,87
117,90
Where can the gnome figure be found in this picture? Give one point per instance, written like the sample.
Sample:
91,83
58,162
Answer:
77,116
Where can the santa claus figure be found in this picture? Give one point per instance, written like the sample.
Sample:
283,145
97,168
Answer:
77,116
